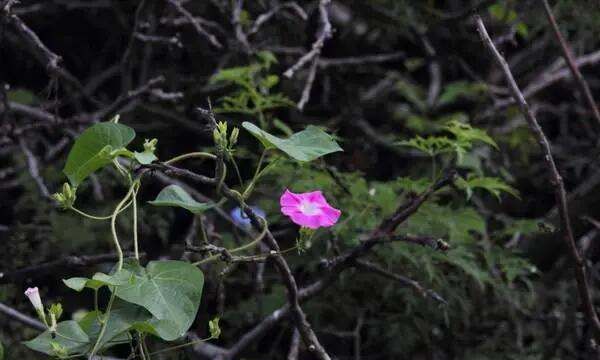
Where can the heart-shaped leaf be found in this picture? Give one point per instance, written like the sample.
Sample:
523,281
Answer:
169,290
306,145
174,195
92,149
69,338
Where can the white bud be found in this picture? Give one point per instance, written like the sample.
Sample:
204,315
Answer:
34,296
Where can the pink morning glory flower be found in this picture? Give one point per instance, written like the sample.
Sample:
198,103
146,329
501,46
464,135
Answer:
34,296
308,209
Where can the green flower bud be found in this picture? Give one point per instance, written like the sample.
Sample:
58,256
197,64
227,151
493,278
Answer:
150,145
56,310
213,327
233,138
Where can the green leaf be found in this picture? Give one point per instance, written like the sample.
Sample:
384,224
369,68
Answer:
306,145
92,149
145,157
169,290
99,280
116,327
461,89
174,195
1,351
431,145
465,133
69,336
21,96
493,185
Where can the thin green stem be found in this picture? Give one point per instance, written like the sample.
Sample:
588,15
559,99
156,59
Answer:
141,346
203,230
237,170
94,217
135,222
96,307
113,225
104,325
202,155
176,347
257,172
145,347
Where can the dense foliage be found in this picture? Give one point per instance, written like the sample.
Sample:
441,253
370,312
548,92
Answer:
141,176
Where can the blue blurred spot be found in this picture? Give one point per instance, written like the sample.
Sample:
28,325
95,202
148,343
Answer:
241,220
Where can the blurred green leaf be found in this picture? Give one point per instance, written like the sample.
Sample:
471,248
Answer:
175,196
306,145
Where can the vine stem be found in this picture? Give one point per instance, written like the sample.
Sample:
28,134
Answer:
202,155
135,222
113,225
104,325
256,174
94,217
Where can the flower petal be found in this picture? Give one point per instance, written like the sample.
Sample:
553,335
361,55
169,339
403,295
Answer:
312,222
316,197
330,216
289,199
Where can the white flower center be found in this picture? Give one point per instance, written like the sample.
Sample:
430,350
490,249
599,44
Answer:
309,208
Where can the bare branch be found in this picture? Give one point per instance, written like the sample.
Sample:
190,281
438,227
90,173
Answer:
263,18
568,56
556,182
22,318
52,266
195,23
34,169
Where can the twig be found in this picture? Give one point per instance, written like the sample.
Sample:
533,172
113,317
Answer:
326,32
22,318
312,73
46,56
405,281
237,24
129,98
556,182
263,18
34,169
196,24
547,79
361,60
52,266
294,346
568,56
172,40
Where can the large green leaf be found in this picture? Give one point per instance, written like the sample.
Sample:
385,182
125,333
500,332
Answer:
92,149
169,290
306,145
123,317
174,195
70,337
